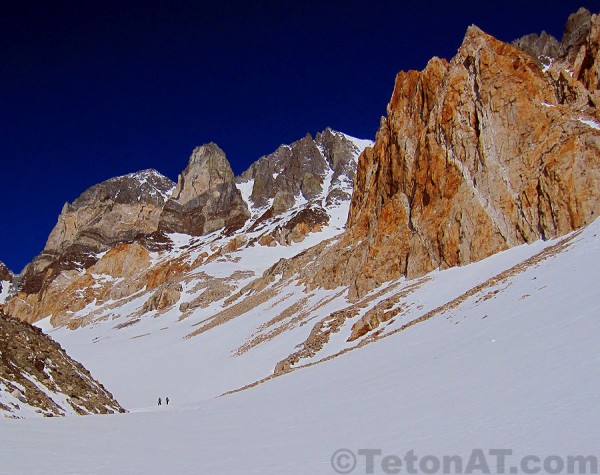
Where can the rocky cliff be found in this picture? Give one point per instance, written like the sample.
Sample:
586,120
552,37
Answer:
121,209
206,198
38,377
573,64
475,155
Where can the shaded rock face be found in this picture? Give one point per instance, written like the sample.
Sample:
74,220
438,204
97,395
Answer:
206,198
299,171
5,273
574,63
475,155
577,29
71,290
117,210
543,47
582,43
290,171
37,375
292,191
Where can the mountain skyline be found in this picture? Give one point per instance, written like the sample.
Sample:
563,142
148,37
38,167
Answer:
92,92
341,294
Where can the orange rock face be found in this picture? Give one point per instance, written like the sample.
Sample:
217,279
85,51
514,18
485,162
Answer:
475,156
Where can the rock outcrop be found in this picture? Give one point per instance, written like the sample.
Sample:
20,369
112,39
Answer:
118,273
573,65
543,47
475,155
121,209
5,273
307,169
206,198
37,376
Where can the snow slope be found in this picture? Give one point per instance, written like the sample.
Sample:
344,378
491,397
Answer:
510,363
5,290
140,361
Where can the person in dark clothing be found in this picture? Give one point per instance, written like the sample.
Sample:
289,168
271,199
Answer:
160,401
167,400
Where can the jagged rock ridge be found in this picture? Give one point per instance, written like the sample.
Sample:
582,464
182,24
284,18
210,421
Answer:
300,170
38,377
92,258
5,273
307,178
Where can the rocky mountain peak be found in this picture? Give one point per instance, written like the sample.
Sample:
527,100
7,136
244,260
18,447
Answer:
577,29
207,169
543,47
205,198
573,65
309,169
289,172
339,150
119,209
146,186
206,151
115,210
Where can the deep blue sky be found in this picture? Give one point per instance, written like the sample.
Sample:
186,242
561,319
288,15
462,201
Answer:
92,90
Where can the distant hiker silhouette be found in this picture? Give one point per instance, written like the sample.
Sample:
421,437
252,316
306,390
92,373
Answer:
167,401
160,401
